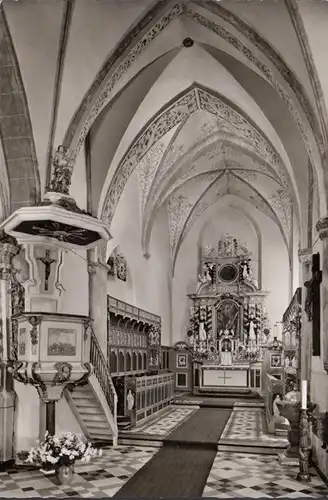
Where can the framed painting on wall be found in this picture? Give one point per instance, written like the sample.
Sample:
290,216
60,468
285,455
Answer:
182,360
275,361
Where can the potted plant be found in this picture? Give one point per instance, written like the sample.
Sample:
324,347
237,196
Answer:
58,453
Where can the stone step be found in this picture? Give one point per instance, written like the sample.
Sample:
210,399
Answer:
123,426
258,450
95,432
103,438
89,410
93,417
82,402
123,418
96,424
82,394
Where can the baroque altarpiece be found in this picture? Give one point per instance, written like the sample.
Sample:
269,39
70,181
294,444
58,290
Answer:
228,321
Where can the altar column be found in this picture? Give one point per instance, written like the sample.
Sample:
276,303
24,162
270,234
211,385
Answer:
305,258
8,249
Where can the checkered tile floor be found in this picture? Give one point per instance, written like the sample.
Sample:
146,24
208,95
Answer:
101,478
165,423
246,425
258,476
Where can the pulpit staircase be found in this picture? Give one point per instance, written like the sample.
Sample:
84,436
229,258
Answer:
94,404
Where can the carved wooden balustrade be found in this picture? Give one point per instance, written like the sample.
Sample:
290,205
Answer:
272,387
98,360
154,393
126,310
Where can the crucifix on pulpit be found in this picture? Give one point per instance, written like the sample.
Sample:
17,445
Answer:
312,302
47,261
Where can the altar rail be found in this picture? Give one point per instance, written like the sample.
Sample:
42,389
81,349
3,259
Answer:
272,387
153,394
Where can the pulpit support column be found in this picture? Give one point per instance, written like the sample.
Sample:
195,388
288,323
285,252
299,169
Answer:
51,417
8,249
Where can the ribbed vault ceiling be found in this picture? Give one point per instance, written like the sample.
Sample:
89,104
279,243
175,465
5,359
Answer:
222,117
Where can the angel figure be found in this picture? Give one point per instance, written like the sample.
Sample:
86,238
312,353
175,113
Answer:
62,172
202,332
245,271
251,332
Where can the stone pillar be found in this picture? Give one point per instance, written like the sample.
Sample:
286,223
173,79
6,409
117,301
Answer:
8,249
322,228
305,258
98,297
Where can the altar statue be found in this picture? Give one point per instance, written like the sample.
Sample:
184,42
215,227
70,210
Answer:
226,354
295,362
251,332
226,332
202,332
245,271
287,362
130,400
205,277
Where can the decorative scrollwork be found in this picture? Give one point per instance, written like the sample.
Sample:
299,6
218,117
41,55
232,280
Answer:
14,339
34,321
17,296
63,374
87,328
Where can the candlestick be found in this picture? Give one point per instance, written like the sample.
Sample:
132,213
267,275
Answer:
304,394
305,446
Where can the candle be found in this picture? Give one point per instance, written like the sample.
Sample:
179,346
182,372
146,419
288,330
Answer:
304,394
279,328
275,328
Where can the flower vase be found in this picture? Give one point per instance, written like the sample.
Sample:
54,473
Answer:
65,474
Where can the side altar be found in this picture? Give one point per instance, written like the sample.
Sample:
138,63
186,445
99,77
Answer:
228,324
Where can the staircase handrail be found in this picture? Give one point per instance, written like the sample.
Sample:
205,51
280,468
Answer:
98,360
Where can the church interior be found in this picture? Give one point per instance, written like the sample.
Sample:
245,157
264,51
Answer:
163,248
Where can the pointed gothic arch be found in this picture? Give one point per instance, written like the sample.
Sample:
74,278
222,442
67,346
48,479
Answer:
16,131
157,18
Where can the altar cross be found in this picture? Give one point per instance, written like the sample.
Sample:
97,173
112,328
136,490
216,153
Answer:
47,267
224,377
312,302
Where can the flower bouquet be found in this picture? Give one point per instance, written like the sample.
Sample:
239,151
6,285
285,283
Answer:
58,453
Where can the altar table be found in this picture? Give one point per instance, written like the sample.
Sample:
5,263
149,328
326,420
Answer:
218,377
